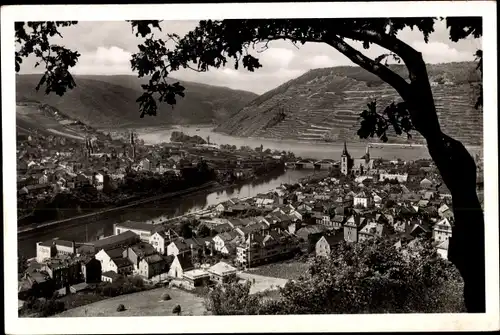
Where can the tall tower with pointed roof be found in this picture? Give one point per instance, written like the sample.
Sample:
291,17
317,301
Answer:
345,161
367,154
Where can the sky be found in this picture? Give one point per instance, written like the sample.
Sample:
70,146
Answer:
106,49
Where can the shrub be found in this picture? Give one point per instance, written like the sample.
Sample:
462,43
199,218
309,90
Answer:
165,296
44,307
120,308
177,310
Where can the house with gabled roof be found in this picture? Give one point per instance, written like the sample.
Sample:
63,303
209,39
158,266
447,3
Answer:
352,227
426,183
177,246
363,199
181,264
416,227
161,239
221,241
151,266
442,230
222,272
136,252
326,242
445,212
113,260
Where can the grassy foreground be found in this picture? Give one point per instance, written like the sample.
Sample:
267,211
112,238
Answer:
145,303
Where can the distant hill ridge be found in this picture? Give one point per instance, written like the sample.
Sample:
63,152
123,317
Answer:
324,105
110,101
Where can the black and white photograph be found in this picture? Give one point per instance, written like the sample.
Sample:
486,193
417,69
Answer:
205,160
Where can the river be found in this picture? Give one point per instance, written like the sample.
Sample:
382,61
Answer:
178,206
302,149
163,208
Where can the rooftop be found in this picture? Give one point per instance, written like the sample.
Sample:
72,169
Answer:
222,268
115,239
195,274
137,226
63,243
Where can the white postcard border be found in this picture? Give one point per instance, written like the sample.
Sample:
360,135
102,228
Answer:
209,324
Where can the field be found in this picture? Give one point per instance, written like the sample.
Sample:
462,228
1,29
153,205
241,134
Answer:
262,283
285,270
146,303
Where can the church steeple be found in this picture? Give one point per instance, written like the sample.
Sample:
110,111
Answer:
344,152
346,162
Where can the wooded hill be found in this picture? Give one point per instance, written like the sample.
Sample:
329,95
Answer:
110,101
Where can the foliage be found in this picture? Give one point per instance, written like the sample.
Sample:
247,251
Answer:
372,277
177,310
22,263
42,307
120,308
165,297
232,299
33,38
186,230
178,136
122,285
369,277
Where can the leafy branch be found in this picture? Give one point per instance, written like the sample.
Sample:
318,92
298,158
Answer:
33,38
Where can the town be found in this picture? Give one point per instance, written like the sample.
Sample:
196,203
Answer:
354,200
59,178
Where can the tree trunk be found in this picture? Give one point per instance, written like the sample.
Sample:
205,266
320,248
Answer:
458,170
466,246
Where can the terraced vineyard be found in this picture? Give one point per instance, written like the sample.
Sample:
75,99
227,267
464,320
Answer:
324,105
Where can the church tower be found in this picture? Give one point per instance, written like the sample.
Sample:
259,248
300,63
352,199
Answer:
367,154
345,161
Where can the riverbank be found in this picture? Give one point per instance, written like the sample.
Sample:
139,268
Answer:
92,229
212,186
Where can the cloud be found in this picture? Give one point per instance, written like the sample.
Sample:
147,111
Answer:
276,57
438,52
104,60
321,61
106,48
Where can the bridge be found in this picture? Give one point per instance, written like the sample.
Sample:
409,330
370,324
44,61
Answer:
323,164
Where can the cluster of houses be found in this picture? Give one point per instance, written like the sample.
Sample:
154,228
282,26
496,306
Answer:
63,169
149,251
302,218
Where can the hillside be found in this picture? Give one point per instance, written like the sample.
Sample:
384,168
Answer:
324,105
33,117
110,101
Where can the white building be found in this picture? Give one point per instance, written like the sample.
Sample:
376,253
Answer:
145,164
160,240
144,230
221,272
99,181
362,199
442,231
401,178
113,260
53,248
